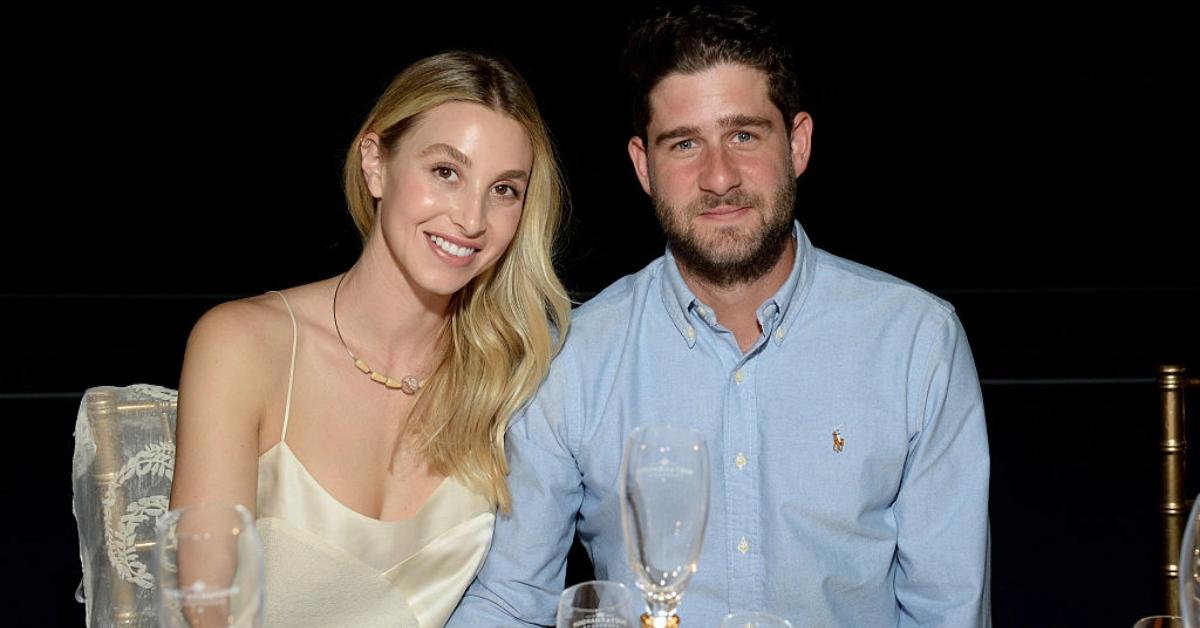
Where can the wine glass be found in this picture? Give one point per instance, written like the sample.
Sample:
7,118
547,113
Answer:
754,620
1159,621
595,603
1189,569
208,563
664,508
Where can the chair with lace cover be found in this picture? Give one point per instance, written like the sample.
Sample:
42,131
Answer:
122,470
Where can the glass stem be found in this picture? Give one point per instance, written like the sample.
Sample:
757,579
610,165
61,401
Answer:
662,613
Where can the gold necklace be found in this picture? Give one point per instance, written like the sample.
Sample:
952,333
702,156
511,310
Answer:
409,384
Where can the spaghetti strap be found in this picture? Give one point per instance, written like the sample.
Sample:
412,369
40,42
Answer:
287,408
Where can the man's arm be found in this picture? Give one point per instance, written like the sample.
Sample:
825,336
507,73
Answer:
941,509
523,574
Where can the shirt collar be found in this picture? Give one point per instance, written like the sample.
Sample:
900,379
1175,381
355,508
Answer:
679,299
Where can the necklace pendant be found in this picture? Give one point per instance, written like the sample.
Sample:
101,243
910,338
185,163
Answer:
409,385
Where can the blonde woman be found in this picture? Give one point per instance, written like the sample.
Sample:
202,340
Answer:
363,416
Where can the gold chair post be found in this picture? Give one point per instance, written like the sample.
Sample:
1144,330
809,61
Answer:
104,414
1171,383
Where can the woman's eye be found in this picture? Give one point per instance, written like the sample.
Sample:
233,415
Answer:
505,189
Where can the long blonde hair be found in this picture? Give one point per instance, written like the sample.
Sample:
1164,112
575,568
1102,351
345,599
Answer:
506,325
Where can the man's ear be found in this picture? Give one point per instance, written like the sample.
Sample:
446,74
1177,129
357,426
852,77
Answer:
637,154
801,148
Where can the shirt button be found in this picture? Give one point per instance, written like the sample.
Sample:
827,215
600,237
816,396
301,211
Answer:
738,376
743,545
779,334
691,333
740,460
701,311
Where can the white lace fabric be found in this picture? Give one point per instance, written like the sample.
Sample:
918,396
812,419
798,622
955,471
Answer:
122,470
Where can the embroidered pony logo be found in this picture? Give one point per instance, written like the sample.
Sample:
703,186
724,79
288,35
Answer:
838,442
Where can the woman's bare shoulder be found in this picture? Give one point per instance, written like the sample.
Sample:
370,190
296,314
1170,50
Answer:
246,326
259,327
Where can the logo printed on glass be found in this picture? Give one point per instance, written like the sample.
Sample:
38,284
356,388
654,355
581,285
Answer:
664,470
601,621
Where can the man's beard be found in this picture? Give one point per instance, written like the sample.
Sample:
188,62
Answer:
733,255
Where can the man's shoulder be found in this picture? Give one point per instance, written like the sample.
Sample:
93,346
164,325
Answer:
615,304
840,281
598,332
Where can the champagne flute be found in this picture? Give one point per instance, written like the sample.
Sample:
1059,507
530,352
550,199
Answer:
597,603
208,563
664,509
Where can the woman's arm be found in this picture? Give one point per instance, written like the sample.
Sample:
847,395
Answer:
227,372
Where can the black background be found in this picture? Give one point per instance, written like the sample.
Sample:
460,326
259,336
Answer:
1034,170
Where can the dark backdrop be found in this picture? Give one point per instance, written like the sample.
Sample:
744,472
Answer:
1035,171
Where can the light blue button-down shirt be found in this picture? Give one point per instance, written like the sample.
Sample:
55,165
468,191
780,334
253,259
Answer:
848,445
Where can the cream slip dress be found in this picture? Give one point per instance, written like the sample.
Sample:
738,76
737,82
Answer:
328,565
